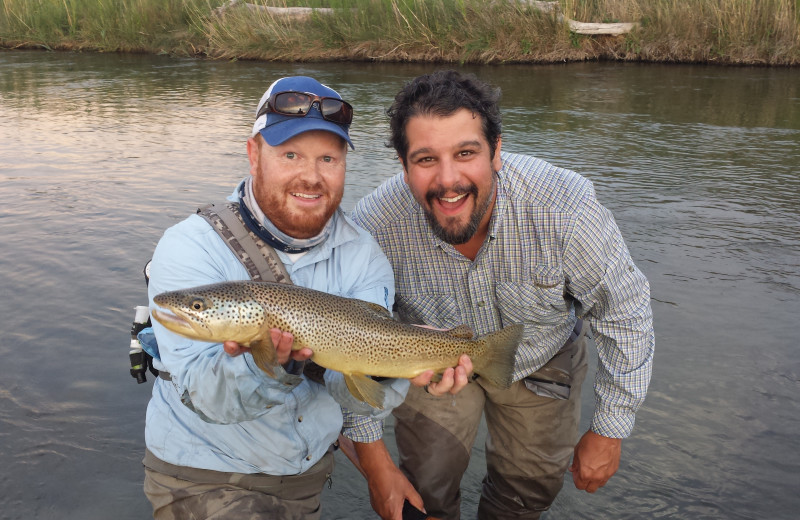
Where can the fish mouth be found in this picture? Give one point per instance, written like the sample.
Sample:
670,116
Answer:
178,323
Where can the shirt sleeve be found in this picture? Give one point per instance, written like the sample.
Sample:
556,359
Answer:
219,388
615,299
359,428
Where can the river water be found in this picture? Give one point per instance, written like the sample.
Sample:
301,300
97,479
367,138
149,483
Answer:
100,153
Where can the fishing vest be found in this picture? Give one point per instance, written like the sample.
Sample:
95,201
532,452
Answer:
260,260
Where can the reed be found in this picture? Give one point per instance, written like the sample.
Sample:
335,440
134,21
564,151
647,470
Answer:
725,31
474,31
105,25
397,30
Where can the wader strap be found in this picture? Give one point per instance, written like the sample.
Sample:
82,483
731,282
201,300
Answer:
260,260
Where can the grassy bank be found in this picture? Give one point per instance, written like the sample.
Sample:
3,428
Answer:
467,31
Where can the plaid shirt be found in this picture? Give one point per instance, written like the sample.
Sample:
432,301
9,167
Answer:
552,253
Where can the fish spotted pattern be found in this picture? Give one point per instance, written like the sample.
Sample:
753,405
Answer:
355,337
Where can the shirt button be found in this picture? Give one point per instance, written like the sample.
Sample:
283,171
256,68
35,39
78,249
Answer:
308,458
481,304
300,419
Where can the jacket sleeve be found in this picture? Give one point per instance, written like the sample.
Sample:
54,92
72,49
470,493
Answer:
219,388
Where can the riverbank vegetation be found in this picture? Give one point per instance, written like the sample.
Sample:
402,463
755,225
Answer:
765,32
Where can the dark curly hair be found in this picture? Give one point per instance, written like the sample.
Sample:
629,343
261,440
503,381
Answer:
442,93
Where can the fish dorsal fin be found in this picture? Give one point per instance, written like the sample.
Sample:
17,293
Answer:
376,308
462,331
365,389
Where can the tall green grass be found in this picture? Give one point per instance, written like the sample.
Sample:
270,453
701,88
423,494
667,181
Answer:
398,30
728,31
480,31
106,25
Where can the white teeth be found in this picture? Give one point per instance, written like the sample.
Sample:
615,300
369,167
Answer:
305,196
453,199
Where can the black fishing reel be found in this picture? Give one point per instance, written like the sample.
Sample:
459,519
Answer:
140,360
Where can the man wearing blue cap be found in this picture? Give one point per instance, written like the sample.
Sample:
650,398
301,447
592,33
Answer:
224,440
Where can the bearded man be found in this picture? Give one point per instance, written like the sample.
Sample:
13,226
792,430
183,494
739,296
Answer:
489,239
224,439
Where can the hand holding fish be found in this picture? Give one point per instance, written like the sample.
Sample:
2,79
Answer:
283,342
453,379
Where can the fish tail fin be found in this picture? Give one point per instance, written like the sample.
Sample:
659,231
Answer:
365,389
497,365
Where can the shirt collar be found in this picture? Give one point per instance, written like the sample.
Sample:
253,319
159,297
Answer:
342,231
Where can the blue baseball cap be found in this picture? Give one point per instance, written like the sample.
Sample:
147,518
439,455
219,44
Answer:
278,128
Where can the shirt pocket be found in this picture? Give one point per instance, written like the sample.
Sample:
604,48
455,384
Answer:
434,309
539,301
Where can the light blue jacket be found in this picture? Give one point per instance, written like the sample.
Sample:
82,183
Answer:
223,413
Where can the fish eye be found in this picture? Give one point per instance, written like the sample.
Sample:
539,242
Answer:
198,304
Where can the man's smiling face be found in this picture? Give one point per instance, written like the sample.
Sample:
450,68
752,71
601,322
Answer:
451,173
299,183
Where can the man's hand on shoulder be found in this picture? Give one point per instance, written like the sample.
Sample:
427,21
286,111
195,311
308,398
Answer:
283,342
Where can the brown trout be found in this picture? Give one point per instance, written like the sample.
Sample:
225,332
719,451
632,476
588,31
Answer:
354,337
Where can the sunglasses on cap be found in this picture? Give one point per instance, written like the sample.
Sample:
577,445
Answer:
298,104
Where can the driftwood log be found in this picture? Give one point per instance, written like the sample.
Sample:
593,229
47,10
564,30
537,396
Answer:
304,13
294,13
600,28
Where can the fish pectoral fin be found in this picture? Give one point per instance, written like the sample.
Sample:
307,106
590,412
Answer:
365,389
263,352
462,331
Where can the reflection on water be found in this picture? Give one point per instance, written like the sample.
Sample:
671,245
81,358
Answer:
100,153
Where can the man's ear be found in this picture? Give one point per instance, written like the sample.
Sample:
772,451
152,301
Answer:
253,153
405,170
496,162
